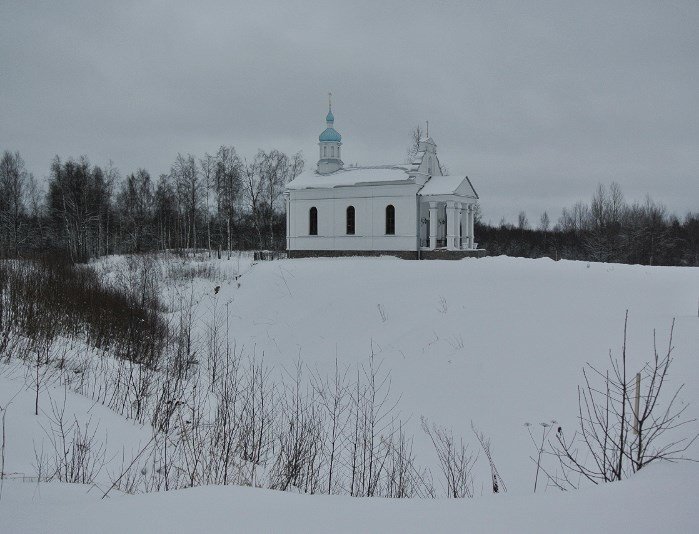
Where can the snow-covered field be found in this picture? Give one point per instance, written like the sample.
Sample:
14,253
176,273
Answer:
659,500
499,342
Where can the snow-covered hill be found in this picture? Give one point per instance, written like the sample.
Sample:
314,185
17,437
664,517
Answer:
499,342
663,499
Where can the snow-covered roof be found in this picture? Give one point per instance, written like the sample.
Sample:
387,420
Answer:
416,161
448,185
417,158
350,176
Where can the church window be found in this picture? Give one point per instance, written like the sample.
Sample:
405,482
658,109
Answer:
332,151
313,221
325,150
350,220
390,220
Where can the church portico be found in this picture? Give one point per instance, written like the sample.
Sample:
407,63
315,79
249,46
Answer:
446,224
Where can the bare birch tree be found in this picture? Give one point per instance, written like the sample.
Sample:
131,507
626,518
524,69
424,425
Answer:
13,178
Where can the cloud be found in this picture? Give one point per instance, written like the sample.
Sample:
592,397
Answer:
536,102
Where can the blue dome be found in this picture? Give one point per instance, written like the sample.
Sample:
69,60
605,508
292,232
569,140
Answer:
330,134
330,117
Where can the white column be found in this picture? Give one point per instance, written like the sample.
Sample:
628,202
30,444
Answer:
459,213
467,226
451,220
433,225
470,225
288,220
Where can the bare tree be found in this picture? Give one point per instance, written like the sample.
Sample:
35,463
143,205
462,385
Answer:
13,178
276,169
37,213
207,164
254,187
606,212
228,178
415,137
79,200
575,219
620,430
166,213
135,202
185,174
522,221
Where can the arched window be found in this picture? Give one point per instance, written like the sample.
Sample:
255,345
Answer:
313,221
325,150
350,220
390,220
332,151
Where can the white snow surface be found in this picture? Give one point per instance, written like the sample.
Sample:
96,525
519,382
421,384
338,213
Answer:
659,500
349,176
444,185
497,341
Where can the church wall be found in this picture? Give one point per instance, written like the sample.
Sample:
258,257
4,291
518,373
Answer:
370,224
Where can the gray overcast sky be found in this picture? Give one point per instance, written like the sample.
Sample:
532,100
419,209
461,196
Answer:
537,102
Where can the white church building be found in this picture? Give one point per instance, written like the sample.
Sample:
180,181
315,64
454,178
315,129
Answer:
408,210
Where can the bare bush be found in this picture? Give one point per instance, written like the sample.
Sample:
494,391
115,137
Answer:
42,299
540,446
299,438
373,420
76,453
404,478
185,271
498,484
455,460
621,431
333,397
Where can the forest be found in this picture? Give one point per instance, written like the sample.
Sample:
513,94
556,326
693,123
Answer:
216,202
223,202
608,229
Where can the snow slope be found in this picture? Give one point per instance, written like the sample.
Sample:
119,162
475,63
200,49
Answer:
26,435
659,500
497,341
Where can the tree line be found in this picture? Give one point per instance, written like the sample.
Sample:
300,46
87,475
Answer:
223,202
607,229
220,202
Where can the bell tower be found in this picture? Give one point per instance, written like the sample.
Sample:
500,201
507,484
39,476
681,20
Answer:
329,144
